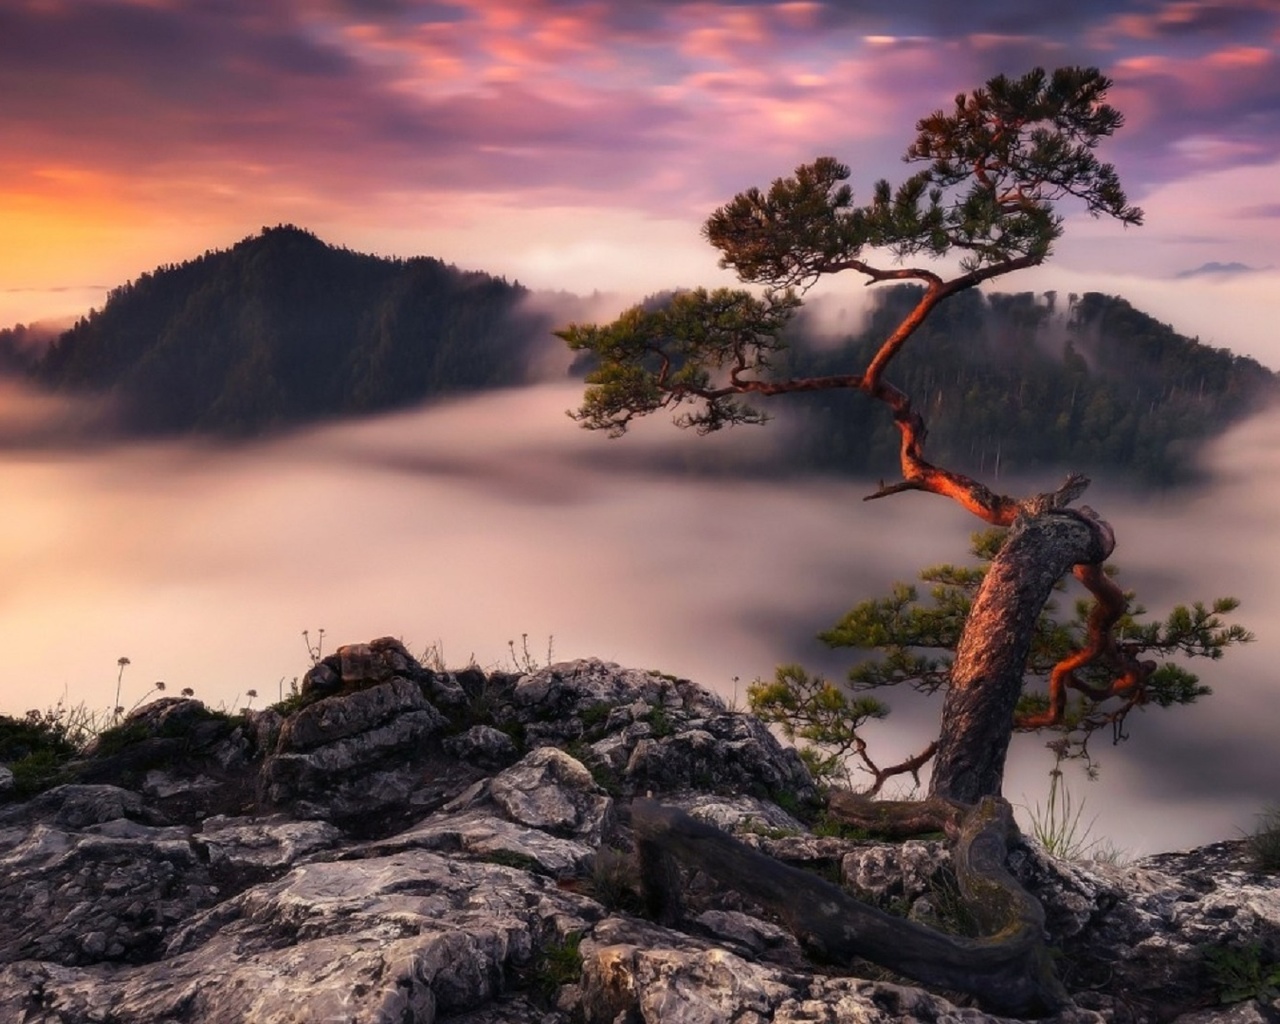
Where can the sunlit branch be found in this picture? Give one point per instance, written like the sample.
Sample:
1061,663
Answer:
1110,605
937,290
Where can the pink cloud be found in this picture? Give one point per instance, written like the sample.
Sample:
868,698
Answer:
1242,57
1220,79
654,106
799,14
1189,112
712,32
1183,18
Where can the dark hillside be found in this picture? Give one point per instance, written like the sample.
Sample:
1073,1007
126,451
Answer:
1013,383
282,329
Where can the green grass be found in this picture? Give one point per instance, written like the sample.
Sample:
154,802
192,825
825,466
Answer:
37,747
515,859
758,828
602,772
829,828
1242,972
1264,842
1059,823
295,701
660,721
595,716
557,963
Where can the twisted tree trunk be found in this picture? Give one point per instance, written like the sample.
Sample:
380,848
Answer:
991,658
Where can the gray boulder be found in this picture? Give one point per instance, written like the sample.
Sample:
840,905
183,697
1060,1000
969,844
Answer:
645,732
400,845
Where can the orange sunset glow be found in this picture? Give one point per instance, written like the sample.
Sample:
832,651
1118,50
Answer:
578,145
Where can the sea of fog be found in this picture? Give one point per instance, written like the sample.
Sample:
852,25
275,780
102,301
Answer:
473,523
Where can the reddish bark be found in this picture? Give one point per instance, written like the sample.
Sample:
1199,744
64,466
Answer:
1110,604
987,676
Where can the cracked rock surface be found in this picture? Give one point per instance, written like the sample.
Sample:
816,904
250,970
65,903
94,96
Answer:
404,845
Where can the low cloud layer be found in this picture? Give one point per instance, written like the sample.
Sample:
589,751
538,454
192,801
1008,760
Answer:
473,522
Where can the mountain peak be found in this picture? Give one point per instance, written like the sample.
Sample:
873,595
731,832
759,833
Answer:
1215,269
283,328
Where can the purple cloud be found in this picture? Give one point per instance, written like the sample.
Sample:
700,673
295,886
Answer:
1260,211
651,103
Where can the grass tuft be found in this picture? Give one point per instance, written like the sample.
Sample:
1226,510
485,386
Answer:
1242,972
1264,842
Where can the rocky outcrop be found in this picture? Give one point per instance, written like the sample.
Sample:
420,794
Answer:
401,845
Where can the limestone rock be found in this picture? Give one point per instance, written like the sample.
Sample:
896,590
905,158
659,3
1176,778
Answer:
321,678
330,720
416,846
902,873
654,733
98,892
76,806
484,746
351,754
262,843
553,792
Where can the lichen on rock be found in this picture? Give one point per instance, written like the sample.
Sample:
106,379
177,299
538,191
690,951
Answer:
408,845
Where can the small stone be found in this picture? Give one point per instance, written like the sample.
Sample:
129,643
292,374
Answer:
94,944
320,678
483,745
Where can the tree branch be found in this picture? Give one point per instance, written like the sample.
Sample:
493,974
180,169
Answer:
1109,606
921,475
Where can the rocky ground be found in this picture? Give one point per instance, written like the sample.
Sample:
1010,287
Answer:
405,846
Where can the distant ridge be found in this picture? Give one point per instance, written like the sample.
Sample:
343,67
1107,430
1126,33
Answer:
283,328
1014,383
1216,269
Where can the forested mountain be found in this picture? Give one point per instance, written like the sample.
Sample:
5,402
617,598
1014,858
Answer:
21,346
1009,383
283,328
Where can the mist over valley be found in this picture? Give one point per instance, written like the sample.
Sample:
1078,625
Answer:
470,522
288,437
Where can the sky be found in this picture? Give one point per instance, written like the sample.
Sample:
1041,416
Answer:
580,145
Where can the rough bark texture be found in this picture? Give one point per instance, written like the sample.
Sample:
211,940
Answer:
895,819
986,679
1009,970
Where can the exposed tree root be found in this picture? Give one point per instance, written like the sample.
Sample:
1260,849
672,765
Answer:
895,819
1009,969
